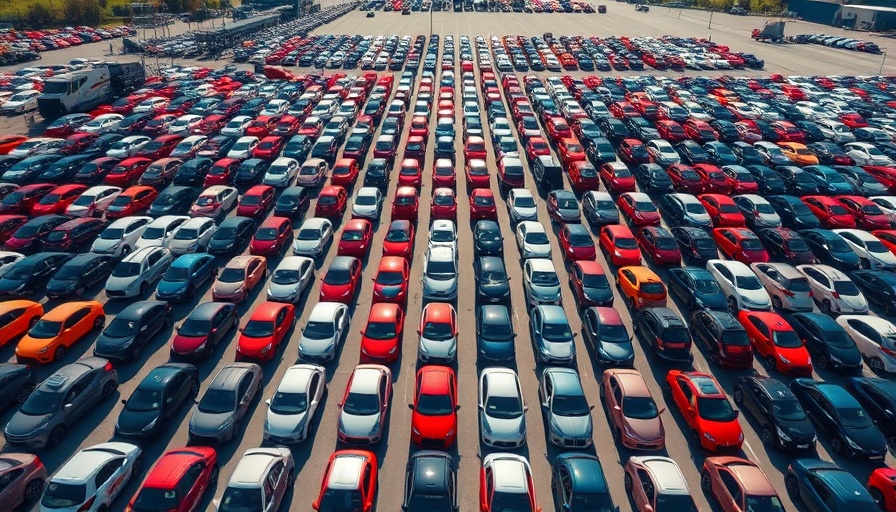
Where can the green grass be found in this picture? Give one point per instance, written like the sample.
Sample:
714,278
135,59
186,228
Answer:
10,10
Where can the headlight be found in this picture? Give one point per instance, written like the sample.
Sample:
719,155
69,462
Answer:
852,444
835,359
709,437
416,432
43,350
783,359
450,433
150,425
782,436
394,349
225,425
267,348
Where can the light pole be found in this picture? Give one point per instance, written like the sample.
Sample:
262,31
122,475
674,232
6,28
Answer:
882,62
710,20
430,20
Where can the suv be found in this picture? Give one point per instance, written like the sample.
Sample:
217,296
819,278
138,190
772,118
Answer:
271,470
723,337
548,172
666,332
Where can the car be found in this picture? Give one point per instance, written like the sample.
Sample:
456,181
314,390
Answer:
218,415
563,207
405,204
684,210
740,244
18,381
541,283
487,238
501,408
156,401
830,248
438,333
292,408
351,476
135,274
204,328
640,286
194,235
434,417
506,482
723,338
101,471
776,342
877,286
399,239
740,285
185,275
368,204
697,288
827,341
695,244
521,205
664,331
268,325
820,484
391,280
444,203
284,170
551,335
833,291
619,244
872,253
617,178
341,281
262,478
173,200
706,409
132,329
214,202
58,330
27,275
867,213
324,331
634,416
872,336
271,237
256,202
723,210
290,279
55,404
431,478
440,273
656,481
738,482
79,274
24,476
313,236
119,238
848,427
787,287
778,413
365,405
179,479
57,200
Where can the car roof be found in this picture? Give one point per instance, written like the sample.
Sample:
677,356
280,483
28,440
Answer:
346,471
434,379
501,382
366,378
242,261
585,472
206,310
566,380
138,309
296,378
64,310
325,311
704,384
229,376
438,312
837,395
87,462
541,265
509,473
253,467
431,470
666,474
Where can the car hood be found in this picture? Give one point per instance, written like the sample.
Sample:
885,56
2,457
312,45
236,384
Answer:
495,288
353,425
441,349
525,211
364,209
505,428
171,286
203,423
545,292
187,343
10,285
723,432
133,422
800,432
316,347
755,298
306,245
854,301
848,356
617,351
868,438
228,287
23,424
119,283
433,427
714,301
284,424
558,349
572,426
283,290
102,245
439,285
647,430
106,343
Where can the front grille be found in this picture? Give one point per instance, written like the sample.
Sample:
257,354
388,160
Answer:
203,440
504,444
115,293
434,443
576,443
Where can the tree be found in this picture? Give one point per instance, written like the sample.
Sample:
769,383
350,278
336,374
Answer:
82,12
38,16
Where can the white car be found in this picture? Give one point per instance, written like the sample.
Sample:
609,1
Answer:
502,422
259,481
120,237
24,101
787,287
93,202
103,123
275,108
7,259
243,147
236,127
282,172
541,282
833,291
160,231
362,416
871,251
509,476
440,274
92,479
292,275
128,146
740,285
521,205
137,272
438,342
663,153
185,124
292,408
865,153
189,146
835,131
887,205
215,201
314,234
151,104
36,146
875,338
324,331
368,204
443,232
192,236
532,240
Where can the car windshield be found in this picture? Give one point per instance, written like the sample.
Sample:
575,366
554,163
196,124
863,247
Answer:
186,234
442,235
153,233
289,403
286,276
786,339
310,234
144,400
63,495
639,407
676,502
788,410
42,402
536,237
366,200
241,499
319,330
715,409
510,502
341,500
440,269
751,244
434,405
217,401
748,283
258,329
361,404
854,417
155,499
390,278
193,328
232,275
545,278
556,332
735,338
876,247
398,235
121,327
45,329
504,407
763,504
707,286
266,234
570,405
177,275
626,243
846,287
429,502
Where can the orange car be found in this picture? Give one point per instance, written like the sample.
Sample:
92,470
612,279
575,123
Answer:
16,317
58,330
641,286
10,142
798,153
238,278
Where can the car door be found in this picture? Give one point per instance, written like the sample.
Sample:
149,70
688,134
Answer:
281,325
110,479
253,274
244,395
176,392
191,486
684,398
277,479
76,325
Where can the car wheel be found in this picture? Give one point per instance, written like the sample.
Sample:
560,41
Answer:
109,389
99,322
137,351
738,396
837,446
33,490
59,353
705,481
792,486
821,361
776,303
826,307
878,498
629,486
138,463
876,364
213,476
56,436
732,305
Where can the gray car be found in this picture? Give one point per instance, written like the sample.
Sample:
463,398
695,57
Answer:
599,208
502,422
218,415
541,283
364,408
59,401
565,408
551,335
260,480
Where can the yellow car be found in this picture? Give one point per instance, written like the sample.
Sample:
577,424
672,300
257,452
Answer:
16,317
58,330
798,153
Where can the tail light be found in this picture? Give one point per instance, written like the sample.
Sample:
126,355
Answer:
108,366
87,505
890,352
836,295
659,342
789,293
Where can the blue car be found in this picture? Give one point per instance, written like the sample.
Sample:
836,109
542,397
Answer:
825,487
829,180
579,484
697,288
494,333
185,275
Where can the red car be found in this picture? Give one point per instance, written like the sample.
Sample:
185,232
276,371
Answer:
312,127
345,172
639,208
62,127
444,204
617,178
576,242
623,109
723,211
671,131
77,143
537,146
357,466
482,204
883,174
570,150
391,281
409,173
357,236
434,420
127,172
256,202
261,126
685,178
287,127
620,245
222,172
266,328
788,132
740,244
739,180
587,276
178,481
210,125
405,204
381,338
399,240
776,342
131,201
443,173
633,152
583,176
269,147
699,131
342,280
9,224
867,213
415,147
331,202
659,244
853,120
558,129
419,127
271,236
160,147
705,409
714,180
477,174
58,199
475,148
880,485
830,212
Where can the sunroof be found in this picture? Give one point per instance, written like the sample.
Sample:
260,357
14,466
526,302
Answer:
706,385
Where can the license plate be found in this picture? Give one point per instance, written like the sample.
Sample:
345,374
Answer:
876,457
802,446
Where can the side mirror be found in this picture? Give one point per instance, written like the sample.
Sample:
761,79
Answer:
736,413
525,408
315,505
411,406
566,507
661,411
457,407
268,401
617,408
481,407
591,407
647,508
123,401
363,332
67,407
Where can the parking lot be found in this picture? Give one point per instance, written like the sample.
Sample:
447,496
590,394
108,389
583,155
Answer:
392,452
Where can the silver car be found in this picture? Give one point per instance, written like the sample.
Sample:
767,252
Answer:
291,410
137,272
218,415
120,237
368,204
314,234
532,240
282,172
290,278
438,342
541,282
788,288
365,406
325,330
565,408
260,480
440,274
160,231
192,236
521,205
502,422
92,479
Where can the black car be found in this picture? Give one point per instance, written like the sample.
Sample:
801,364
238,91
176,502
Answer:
781,418
798,182
131,330
79,274
487,238
17,381
193,172
606,334
676,212
692,153
217,147
250,173
653,179
75,235
666,333
430,482
829,153
878,397
747,154
770,182
298,147
785,245
840,417
724,339
830,248
697,288
232,236
64,169
615,129
27,170
494,333
292,203
642,129
696,245
600,151
720,154
28,275
863,183
174,200
133,123
208,325
377,174
726,129
34,232
879,287
578,484
104,142
492,282
827,342
830,182
157,400
811,131
793,212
